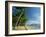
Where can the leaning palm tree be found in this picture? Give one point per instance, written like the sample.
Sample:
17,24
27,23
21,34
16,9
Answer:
21,19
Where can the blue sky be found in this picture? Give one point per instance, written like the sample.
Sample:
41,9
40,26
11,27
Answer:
32,14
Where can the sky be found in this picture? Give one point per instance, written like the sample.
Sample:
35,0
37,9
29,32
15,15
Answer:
32,14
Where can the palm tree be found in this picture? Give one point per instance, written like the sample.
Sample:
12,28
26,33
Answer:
20,17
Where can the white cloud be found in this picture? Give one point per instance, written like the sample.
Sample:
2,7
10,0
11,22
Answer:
37,21
29,22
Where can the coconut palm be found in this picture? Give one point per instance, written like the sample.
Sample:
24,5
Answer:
19,17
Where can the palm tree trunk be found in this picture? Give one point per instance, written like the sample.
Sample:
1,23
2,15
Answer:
19,18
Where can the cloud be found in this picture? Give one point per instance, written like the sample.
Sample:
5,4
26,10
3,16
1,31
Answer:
29,22
36,21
